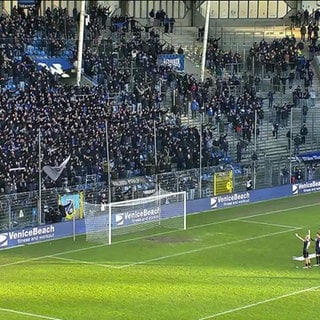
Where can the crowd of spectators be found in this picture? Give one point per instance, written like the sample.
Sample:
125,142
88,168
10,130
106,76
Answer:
160,19
129,95
71,120
305,17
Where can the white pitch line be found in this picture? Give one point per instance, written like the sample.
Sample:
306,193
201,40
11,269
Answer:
33,315
84,262
204,248
50,256
269,224
22,261
259,303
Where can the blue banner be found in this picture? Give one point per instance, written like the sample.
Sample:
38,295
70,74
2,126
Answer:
40,233
176,61
305,187
239,198
310,157
54,65
27,3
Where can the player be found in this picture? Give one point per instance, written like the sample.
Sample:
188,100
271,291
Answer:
305,251
317,248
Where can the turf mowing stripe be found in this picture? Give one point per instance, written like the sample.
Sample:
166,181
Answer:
204,248
268,224
33,315
259,303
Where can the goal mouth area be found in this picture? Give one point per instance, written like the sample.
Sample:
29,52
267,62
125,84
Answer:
149,231
120,218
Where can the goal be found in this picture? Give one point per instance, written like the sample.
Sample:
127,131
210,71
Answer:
103,222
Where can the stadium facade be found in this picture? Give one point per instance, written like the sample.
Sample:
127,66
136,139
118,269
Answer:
189,13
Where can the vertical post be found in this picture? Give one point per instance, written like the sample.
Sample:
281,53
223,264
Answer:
255,148
205,41
155,157
173,98
131,74
109,226
65,27
244,61
313,127
290,147
9,214
200,158
109,185
80,41
108,162
155,144
184,210
74,227
253,61
39,179
255,129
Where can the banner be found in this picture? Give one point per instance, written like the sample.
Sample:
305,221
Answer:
41,233
55,172
129,181
54,65
176,61
305,187
137,216
223,182
151,213
28,3
29,235
310,157
73,205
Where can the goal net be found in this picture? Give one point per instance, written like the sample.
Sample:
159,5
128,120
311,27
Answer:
103,222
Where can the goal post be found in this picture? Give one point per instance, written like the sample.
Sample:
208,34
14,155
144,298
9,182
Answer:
103,222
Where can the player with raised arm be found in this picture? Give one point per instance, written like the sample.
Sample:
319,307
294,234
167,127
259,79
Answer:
317,248
305,251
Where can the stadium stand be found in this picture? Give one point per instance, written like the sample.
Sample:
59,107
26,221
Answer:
231,113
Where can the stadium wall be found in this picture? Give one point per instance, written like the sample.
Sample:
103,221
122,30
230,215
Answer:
66,229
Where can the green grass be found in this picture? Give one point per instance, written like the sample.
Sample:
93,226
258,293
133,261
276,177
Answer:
230,264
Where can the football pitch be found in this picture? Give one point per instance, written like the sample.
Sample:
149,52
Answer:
234,263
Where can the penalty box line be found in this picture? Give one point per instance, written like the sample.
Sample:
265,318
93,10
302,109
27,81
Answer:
259,303
269,224
84,262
